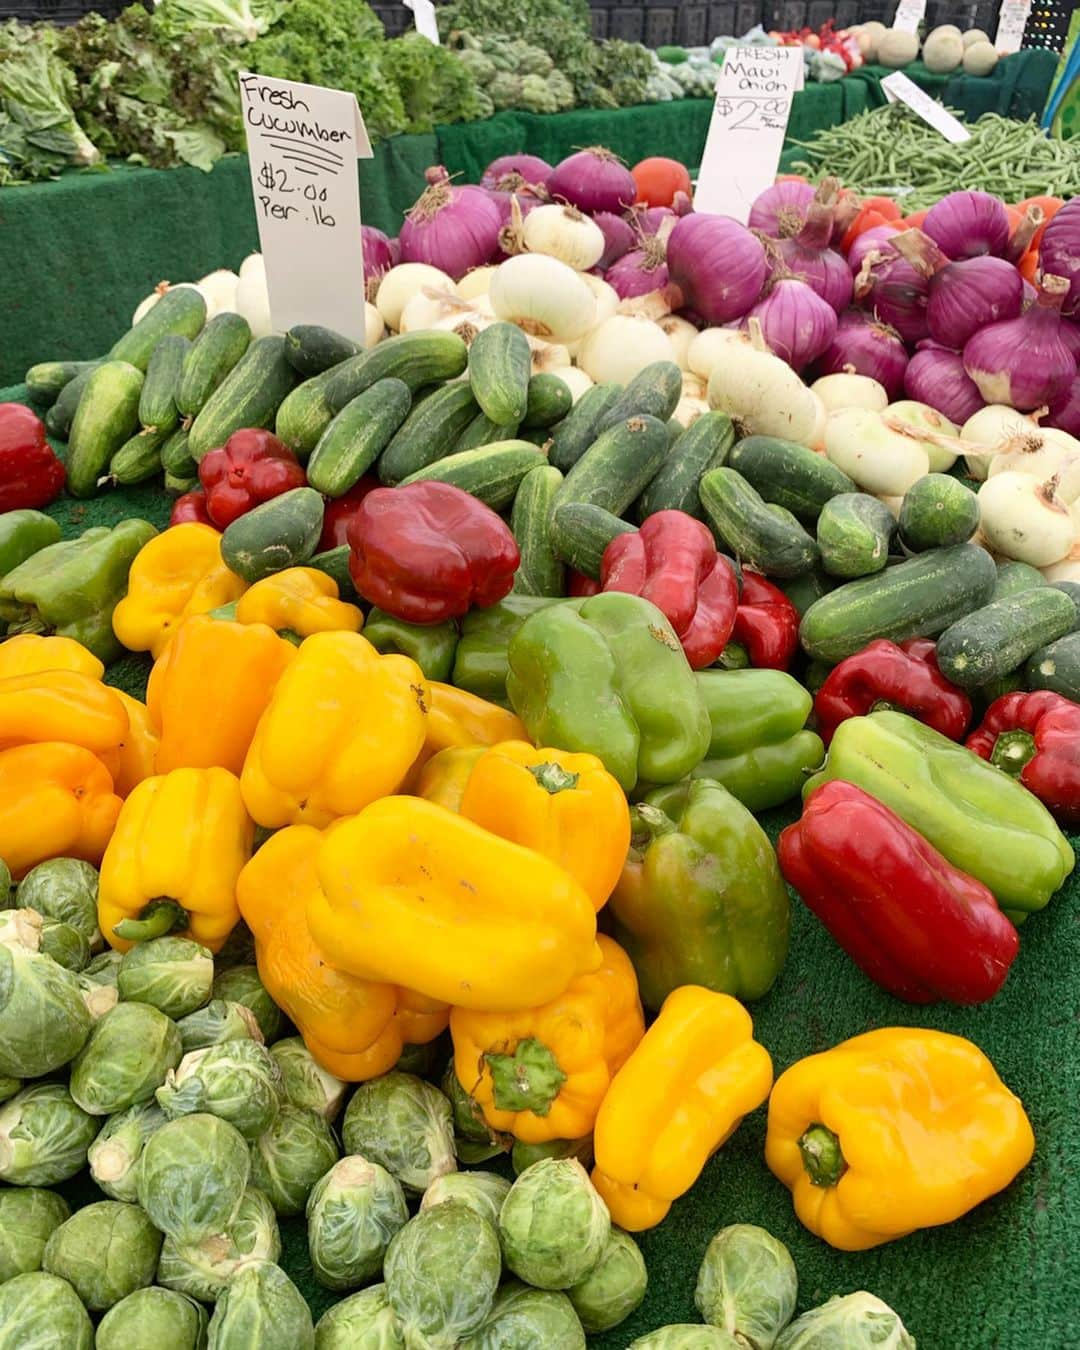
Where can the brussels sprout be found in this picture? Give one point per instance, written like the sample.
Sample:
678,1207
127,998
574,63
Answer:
237,1081
524,1155
747,1284
40,1310
65,944
202,1269
105,1252
423,1060
217,1022
305,1082
172,974
115,1153
44,1136
352,1214
614,1287
848,1322
99,998
290,1157
9,1087
192,1175
474,1139
260,1306
687,1336
126,1057
483,1192
523,1319
241,984
5,885
43,1019
65,889
28,1217
153,1317
105,968
404,1124
364,1321
441,1271
553,1224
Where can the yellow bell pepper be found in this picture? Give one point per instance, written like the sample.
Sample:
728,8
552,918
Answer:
178,573
542,1073
355,1028
563,805
56,800
302,600
892,1131
209,688
61,705
442,779
136,752
173,860
341,729
413,894
457,720
31,653
678,1097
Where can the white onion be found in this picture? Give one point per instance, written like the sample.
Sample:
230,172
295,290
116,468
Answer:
688,409
544,297
1066,570
374,328
763,394
398,286
476,282
427,307
988,430
1043,457
706,349
563,232
253,262
551,356
880,460
607,298
621,347
575,380
1022,519
851,391
219,291
935,433
681,333
693,386
253,299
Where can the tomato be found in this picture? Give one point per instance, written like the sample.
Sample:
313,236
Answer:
658,179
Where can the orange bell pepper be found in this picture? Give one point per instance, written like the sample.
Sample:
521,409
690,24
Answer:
457,718
61,705
30,654
56,800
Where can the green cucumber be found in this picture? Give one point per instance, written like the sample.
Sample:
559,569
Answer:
540,571
177,484
175,456
429,432
356,437
654,391
535,435
1057,667
60,416
917,598
157,402
937,510
580,532
500,366
215,352
1014,577
483,431
704,445
1072,590
305,414
107,415
994,640
578,429
249,396
549,400
766,537
789,475
335,563
416,358
181,310
618,466
139,458
492,474
853,534
802,591
311,349
46,381
283,532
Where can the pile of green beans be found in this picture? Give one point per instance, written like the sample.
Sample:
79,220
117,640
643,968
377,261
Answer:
890,152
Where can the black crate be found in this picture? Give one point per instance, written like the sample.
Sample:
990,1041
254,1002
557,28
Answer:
58,11
722,19
627,24
747,15
819,12
396,19
660,27
846,13
692,28
786,16
1048,24
599,19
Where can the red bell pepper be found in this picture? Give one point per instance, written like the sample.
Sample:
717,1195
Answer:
1036,737
905,678
578,584
250,468
340,510
672,561
429,552
919,927
30,473
766,623
191,507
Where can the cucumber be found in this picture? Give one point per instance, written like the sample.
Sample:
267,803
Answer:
483,431
335,563
492,474
540,571
175,456
216,350
181,310
304,415
46,381
60,416
535,435
766,537
802,591
249,396
1014,577
107,415
1072,590
853,534
789,475
917,598
994,640
429,432
138,458
416,358
654,391
356,437
578,429
618,466
549,400
937,510
1057,667
704,445
176,485
157,402
283,532
500,365
311,349
580,532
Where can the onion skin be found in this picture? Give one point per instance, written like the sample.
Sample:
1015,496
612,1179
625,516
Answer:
619,237
1070,335
1059,252
937,377
780,211
966,296
378,253
452,228
1064,413
795,321
1024,362
718,265
530,168
593,180
896,293
862,346
965,224
870,241
637,273
809,257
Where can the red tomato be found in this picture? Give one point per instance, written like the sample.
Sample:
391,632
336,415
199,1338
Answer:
659,179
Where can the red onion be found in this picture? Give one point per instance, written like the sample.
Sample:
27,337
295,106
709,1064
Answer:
965,224
1059,252
862,346
809,257
510,238
593,180
1064,412
718,265
395,251
378,254
875,240
964,296
619,237
648,219
895,291
780,210
937,377
795,321
640,271
510,173
1024,362
1070,335
452,228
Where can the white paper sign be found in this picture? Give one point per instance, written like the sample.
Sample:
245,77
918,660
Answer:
1012,20
303,143
909,14
424,19
746,134
898,87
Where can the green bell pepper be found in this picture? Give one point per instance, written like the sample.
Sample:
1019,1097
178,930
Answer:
480,665
701,899
982,820
22,534
431,646
72,588
608,676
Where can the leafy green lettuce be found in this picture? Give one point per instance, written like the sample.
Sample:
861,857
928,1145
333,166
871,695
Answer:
39,132
235,20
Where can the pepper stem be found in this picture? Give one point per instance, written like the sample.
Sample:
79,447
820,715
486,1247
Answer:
527,1080
883,705
158,918
1012,750
553,777
648,823
821,1156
